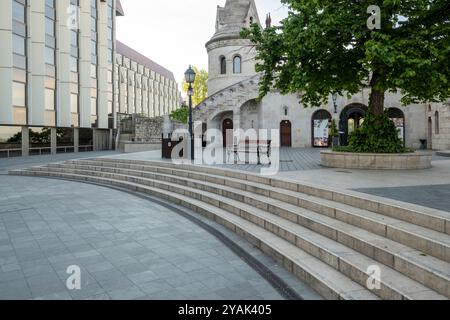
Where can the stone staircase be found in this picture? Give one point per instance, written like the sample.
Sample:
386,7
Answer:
228,98
328,239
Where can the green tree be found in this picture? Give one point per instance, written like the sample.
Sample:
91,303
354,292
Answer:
181,114
200,86
325,47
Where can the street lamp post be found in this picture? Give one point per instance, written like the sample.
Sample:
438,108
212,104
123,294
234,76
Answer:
335,97
190,78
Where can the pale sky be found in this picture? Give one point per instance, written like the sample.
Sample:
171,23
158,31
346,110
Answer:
173,33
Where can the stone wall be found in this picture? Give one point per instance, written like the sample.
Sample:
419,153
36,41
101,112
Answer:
150,130
438,118
376,161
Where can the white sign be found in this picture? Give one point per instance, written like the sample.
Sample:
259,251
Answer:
321,135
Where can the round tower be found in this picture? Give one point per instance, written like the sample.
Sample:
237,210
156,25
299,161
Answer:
231,58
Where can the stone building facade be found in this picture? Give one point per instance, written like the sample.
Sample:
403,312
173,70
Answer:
233,91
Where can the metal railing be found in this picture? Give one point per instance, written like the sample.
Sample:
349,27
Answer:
39,151
86,148
65,149
10,153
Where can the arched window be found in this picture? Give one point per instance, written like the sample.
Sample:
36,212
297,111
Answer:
223,65
436,121
237,64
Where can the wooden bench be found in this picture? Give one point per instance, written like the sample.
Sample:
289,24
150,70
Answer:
260,147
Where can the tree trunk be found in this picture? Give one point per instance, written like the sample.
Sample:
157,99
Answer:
376,102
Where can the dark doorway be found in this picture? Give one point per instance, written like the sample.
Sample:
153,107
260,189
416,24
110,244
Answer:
352,118
227,135
286,134
398,117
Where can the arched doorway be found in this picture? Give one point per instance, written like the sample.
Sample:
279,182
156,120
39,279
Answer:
352,118
286,134
398,117
227,135
320,124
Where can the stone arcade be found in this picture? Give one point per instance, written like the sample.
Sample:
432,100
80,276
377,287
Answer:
233,91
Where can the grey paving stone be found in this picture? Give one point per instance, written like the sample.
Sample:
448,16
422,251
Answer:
45,284
102,296
99,266
115,283
155,286
15,290
172,294
132,268
129,293
11,275
432,196
64,295
126,247
143,277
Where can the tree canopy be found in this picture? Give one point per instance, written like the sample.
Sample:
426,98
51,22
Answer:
181,114
200,86
326,46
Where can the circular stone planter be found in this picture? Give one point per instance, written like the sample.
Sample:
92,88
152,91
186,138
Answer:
377,161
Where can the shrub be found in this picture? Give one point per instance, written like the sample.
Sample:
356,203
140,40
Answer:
181,114
334,132
377,134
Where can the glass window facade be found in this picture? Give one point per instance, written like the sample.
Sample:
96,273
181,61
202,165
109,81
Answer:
65,140
10,142
40,141
19,21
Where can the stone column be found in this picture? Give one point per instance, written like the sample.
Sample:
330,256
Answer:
25,142
111,138
85,64
76,140
53,140
63,114
102,90
36,63
94,140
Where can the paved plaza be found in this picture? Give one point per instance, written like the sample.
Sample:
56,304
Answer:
126,247
133,248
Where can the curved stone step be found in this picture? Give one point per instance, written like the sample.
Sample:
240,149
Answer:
407,287
428,241
425,217
327,281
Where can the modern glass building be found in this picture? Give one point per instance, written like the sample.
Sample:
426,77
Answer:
143,87
60,77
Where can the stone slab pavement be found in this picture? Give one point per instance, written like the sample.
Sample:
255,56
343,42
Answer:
126,247
26,162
